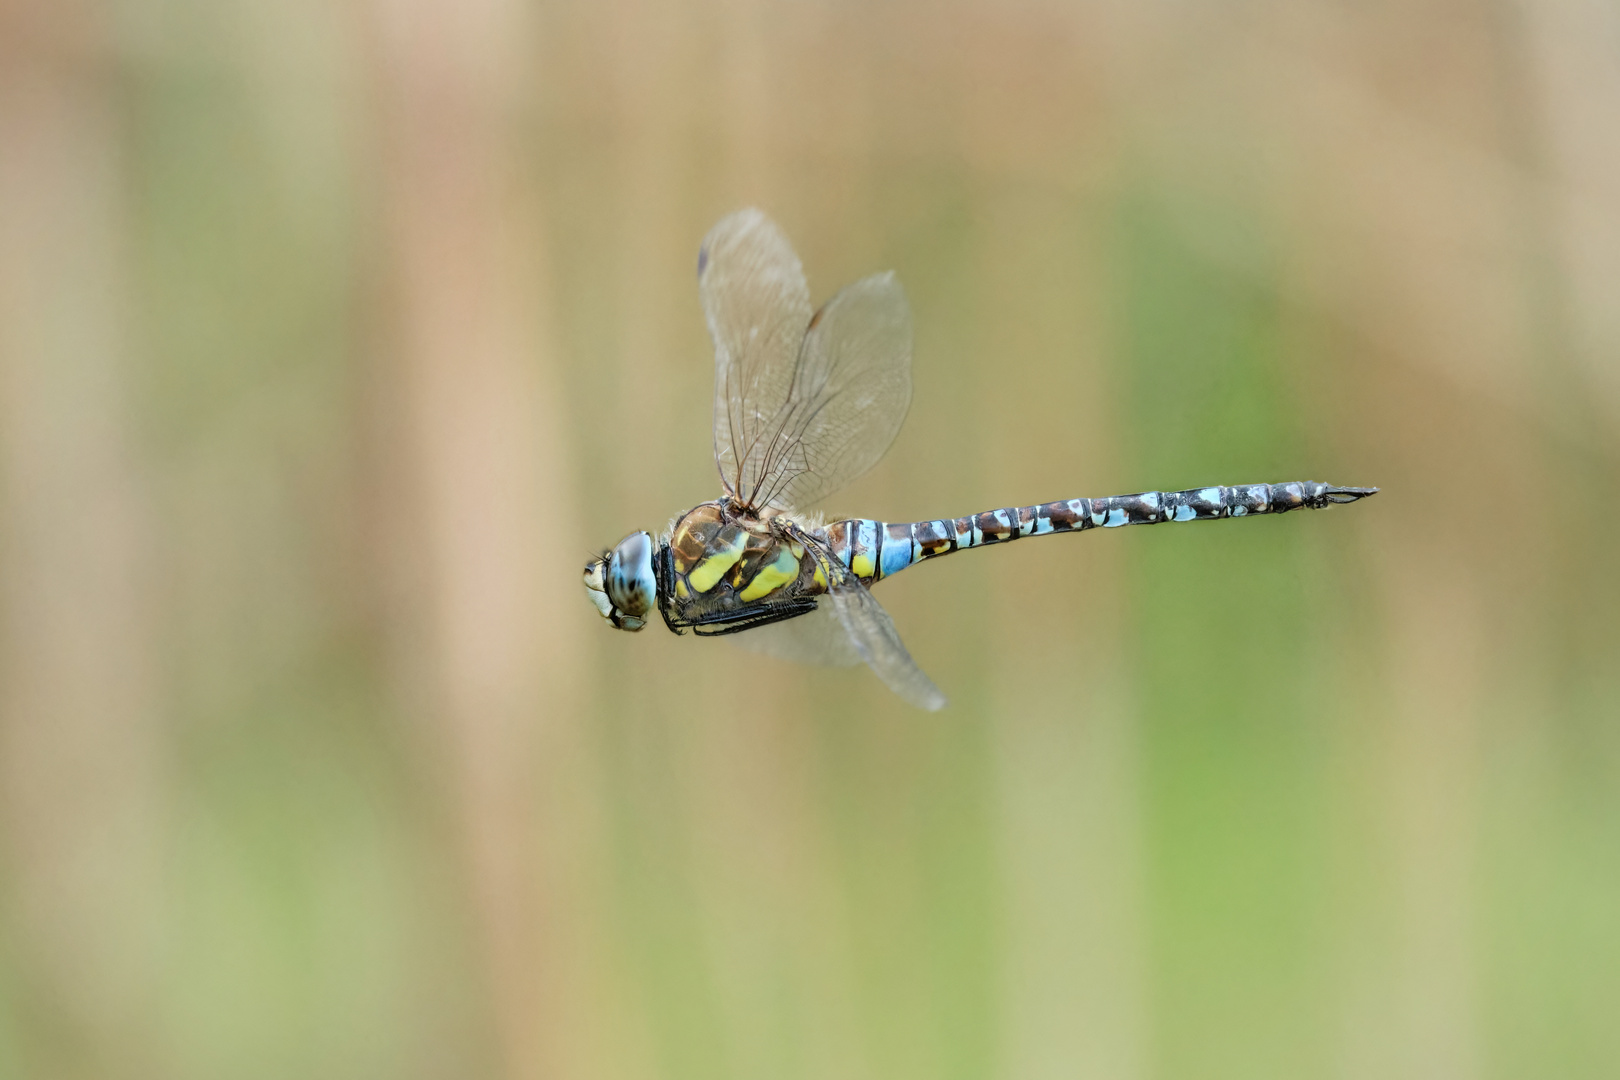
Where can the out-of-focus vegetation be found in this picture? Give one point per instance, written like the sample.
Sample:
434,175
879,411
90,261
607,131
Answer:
334,336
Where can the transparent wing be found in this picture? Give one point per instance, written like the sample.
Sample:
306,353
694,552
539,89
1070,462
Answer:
802,404
817,638
873,634
758,307
849,394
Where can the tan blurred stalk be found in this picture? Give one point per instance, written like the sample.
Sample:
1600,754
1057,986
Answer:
81,761
1574,87
484,539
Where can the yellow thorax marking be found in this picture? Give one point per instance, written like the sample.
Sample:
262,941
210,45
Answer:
706,574
773,576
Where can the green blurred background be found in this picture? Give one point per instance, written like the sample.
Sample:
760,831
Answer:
334,335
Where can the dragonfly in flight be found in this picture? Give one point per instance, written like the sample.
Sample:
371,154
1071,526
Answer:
806,400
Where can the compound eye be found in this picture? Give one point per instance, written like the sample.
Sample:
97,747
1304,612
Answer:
630,582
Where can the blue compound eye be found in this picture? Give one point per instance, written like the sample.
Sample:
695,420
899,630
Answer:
629,579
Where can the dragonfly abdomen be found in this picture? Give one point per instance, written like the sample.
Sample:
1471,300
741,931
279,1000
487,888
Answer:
875,550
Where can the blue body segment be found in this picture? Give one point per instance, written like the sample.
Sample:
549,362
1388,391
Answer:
897,552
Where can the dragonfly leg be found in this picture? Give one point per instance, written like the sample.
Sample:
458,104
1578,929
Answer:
735,622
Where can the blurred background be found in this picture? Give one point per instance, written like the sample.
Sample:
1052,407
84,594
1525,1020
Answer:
333,337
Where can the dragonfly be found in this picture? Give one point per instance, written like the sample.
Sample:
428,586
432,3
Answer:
806,400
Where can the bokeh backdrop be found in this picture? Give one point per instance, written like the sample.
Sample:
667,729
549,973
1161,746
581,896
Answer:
334,336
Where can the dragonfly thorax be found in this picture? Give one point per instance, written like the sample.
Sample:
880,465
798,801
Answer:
622,584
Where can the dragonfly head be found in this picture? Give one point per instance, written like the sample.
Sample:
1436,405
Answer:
621,583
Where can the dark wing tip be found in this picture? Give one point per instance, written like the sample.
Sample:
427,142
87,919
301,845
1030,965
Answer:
703,259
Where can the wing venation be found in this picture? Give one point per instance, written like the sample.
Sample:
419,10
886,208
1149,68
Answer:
757,306
817,638
803,403
872,633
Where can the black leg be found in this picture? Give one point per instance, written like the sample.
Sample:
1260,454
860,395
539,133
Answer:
735,622
664,568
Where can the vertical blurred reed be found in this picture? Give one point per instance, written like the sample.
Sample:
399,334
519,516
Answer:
474,452
82,767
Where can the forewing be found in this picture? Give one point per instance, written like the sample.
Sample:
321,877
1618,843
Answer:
848,396
757,306
817,638
873,634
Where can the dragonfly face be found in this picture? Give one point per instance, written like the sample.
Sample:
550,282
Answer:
804,402
622,585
